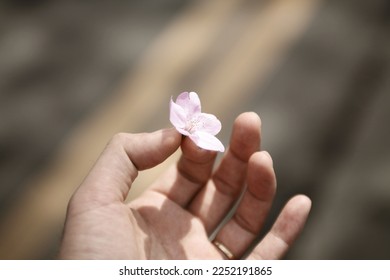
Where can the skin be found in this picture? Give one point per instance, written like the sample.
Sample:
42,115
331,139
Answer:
175,216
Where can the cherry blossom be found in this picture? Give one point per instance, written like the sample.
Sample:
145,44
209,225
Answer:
187,118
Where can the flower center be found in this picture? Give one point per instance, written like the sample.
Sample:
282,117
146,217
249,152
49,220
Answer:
193,124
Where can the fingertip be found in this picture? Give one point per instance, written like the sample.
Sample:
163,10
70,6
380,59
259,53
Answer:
301,202
261,159
266,157
146,150
293,217
192,152
251,118
261,175
245,139
171,137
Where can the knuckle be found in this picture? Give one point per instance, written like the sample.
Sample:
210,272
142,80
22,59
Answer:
119,139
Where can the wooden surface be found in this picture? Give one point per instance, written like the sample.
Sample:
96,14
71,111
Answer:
317,72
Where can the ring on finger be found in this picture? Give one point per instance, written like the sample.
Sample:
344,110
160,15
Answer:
224,250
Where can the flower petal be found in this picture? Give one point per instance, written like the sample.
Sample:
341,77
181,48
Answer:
207,141
210,123
183,131
190,102
177,115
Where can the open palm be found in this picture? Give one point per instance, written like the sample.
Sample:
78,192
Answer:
174,218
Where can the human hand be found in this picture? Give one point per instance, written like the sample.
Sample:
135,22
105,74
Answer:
175,216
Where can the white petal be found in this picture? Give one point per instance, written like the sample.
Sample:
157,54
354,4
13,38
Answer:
210,123
190,102
177,115
207,141
183,131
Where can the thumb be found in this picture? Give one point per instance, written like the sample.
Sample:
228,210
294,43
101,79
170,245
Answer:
117,167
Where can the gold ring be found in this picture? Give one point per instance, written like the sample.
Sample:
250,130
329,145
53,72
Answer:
224,250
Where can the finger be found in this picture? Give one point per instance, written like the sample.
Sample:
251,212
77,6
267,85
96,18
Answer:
215,200
245,225
191,173
285,230
112,175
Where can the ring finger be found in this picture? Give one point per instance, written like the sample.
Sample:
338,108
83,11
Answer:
240,231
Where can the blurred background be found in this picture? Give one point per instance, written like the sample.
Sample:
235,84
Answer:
73,73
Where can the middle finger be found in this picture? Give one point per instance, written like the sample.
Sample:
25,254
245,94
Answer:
215,200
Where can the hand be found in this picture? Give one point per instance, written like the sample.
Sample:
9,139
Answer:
174,217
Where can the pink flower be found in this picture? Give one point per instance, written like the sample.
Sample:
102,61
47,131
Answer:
187,118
